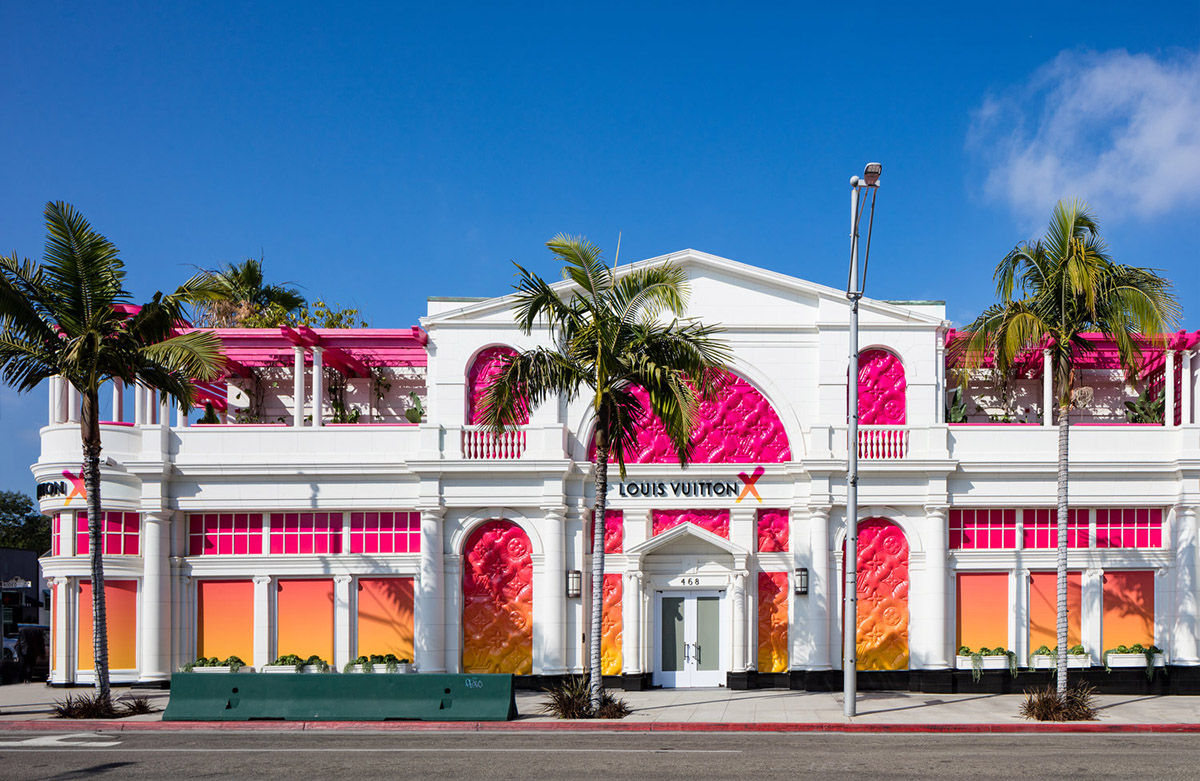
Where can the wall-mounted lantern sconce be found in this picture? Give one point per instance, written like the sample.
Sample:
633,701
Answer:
574,583
802,581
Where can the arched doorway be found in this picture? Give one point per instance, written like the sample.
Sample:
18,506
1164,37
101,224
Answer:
497,615
481,374
882,595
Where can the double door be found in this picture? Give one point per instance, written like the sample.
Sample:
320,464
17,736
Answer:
689,648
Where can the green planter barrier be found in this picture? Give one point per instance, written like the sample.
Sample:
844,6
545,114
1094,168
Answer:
340,697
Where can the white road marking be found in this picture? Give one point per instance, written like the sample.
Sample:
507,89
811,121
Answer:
131,749
75,740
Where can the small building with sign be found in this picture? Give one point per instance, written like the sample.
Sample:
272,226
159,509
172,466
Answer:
320,516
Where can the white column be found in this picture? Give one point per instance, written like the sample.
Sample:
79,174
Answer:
263,652
939,409
164,411
55,392
631,631
554,592
298,387
936,559
1169,390
118,400
1091,613
429,602
1047,390
68,523
139,405
343,621
1185,643
1185,403
819,592
739,622
64,667
151,406
318,385
156,597
73,403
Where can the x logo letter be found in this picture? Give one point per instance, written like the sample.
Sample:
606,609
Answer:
77,486
749,481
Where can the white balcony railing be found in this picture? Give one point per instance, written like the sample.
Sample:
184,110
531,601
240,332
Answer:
480,442
883,442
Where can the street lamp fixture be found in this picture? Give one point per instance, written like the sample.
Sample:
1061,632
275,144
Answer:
854,291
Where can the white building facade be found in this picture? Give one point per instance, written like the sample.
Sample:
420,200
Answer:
315,519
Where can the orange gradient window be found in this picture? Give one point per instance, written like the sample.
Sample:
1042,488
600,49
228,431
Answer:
1128,608
304,618
120,603
981,614
385,617
225,619
1043,609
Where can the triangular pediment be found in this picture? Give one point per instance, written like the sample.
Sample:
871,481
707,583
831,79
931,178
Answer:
688,539
723,290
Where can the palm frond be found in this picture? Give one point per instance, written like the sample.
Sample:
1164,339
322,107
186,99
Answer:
584,263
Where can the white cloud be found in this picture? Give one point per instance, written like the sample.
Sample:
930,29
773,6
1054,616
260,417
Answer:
1119,130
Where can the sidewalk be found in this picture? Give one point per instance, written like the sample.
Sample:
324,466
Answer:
694,709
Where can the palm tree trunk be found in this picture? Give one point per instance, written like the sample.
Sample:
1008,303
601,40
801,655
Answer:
1063,431
90,426
598,511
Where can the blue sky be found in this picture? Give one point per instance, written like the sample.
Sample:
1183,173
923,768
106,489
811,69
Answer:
383,154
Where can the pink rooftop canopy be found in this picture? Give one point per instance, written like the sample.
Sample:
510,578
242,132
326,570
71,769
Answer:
1103,354
351,351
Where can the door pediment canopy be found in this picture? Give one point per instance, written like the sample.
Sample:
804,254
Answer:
689,539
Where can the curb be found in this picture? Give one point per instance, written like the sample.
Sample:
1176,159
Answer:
60,725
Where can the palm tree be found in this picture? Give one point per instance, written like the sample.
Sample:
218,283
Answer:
1050,293
70,316
246,296
611,335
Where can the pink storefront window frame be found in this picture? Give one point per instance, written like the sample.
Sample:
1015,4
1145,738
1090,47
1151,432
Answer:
120,534
983,529
305,533
1130,527
385,531
1041,528
228,534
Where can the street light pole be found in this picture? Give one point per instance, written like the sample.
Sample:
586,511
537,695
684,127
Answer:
854,292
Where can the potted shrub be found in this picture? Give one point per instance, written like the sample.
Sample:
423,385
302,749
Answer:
998,658
212,664
1045,658
292,663
375,663
1136,655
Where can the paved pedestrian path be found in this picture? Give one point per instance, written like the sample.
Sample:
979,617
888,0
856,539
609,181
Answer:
35,702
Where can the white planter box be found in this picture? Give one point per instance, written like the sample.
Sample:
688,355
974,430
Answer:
243,669
1135,660
402,667
986,663
1074,662
290,668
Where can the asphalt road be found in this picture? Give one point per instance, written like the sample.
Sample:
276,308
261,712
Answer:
361,756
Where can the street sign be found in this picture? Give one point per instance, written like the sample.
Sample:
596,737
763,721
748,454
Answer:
15,583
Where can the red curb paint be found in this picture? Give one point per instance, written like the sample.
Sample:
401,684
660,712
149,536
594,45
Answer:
65,725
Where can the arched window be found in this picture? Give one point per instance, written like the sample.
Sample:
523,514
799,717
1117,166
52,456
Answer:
881,389
497,613
483,371
739,427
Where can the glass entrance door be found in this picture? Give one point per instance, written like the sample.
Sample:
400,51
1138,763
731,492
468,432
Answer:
689,647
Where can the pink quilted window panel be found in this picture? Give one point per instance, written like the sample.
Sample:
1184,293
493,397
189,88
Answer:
118,534
881,389
715,521
483,371
772,530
